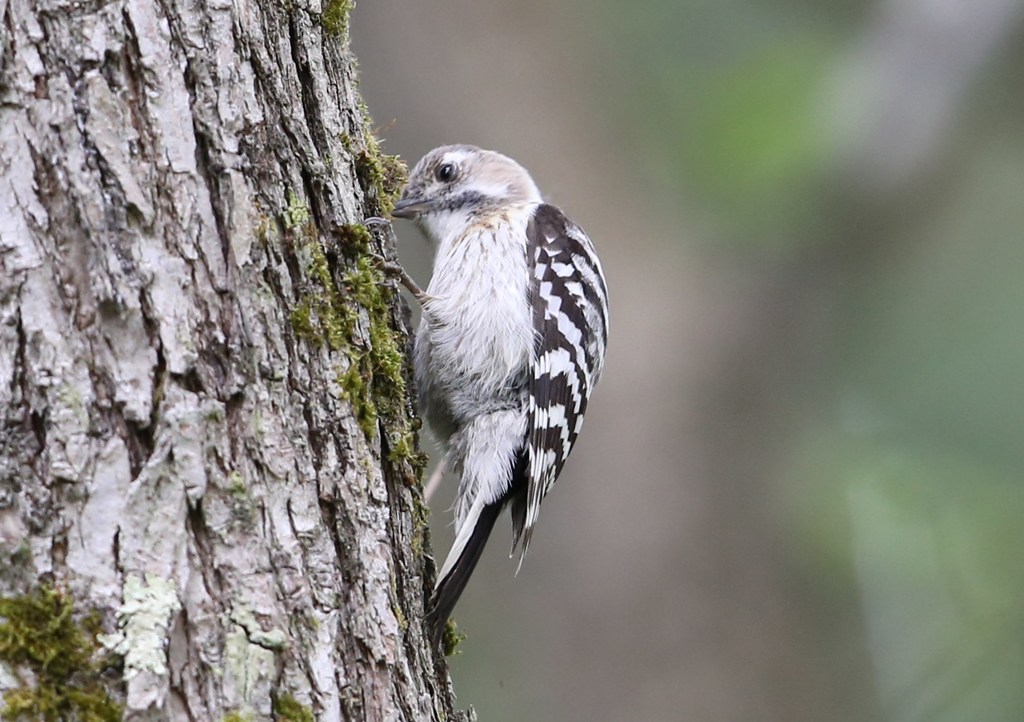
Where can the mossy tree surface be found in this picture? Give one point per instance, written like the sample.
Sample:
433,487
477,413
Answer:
41,638
209,469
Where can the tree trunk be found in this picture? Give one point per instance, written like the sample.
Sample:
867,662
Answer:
209,475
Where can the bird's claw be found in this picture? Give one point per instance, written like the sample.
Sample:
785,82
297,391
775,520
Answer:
395,271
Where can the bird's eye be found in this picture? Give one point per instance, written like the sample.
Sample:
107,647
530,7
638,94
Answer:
446,172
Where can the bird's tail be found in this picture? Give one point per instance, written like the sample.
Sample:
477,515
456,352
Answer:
465,553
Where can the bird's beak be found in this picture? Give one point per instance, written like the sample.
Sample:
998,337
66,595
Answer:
410,207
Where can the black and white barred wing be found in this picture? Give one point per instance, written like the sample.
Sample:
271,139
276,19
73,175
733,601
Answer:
570,318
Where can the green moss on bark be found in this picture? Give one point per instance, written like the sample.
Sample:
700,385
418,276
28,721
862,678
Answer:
237,717
352,315
356,238
380,175
335,16
40,635
450,638
289,709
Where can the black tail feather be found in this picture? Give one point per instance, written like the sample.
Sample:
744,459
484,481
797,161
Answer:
450,589
447,594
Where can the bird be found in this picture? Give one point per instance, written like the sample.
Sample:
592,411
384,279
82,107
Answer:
510,345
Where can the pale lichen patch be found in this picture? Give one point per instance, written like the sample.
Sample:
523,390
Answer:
142,621
248,669
268,639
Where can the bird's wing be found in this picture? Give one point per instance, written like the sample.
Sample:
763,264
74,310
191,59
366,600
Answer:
569,301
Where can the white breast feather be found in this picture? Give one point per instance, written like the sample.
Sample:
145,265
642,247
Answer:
477,324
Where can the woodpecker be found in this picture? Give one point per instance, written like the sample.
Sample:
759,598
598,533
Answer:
509,348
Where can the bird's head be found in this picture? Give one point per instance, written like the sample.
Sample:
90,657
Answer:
454,183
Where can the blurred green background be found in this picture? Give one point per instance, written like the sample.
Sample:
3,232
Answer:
799,493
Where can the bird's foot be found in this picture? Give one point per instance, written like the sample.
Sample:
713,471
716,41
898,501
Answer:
394,271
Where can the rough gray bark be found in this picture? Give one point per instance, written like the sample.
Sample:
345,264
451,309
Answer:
206,446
